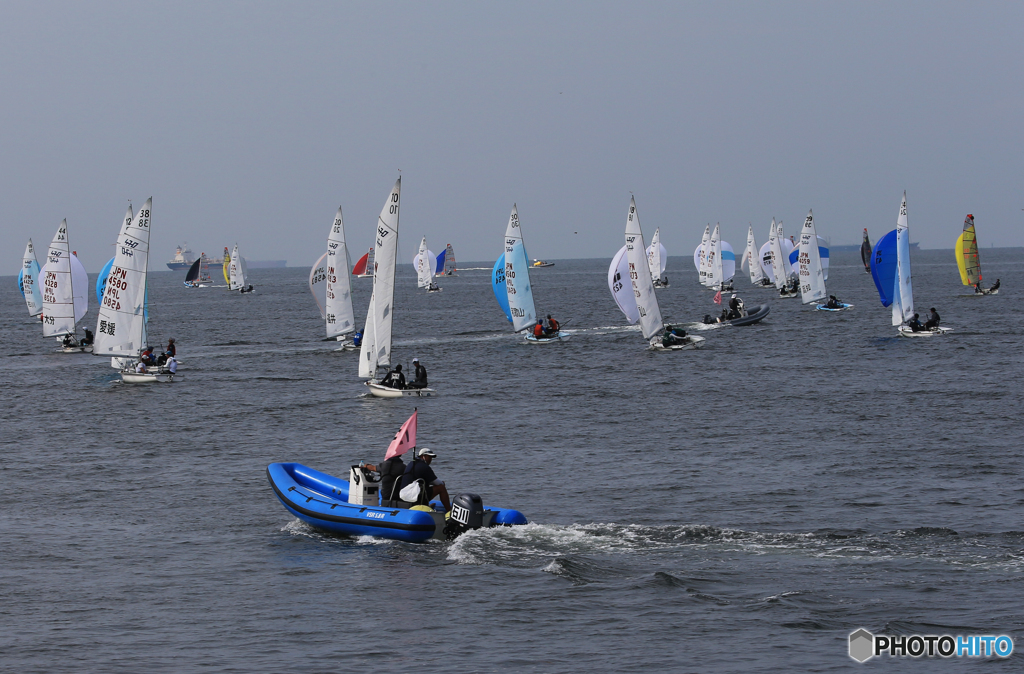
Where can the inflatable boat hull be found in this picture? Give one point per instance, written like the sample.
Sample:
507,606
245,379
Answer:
754,315
321,500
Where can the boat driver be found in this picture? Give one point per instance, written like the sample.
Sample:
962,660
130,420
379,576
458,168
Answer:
420,469
391,471
735,307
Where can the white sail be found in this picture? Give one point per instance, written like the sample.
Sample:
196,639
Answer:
903,292
385,259
424,263
639,272
318,284
30,281
622,287
752,258
236,271
517,276
702,265
121,325
714,259
339,315
368,347
656,256
812,279
779,265
58,294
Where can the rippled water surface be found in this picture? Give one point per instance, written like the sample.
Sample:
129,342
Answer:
739,508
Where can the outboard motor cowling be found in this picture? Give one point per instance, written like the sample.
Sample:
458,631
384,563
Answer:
467,513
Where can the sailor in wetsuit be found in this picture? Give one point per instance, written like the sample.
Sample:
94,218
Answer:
394,378
933,319
420,378
673,336
915,324
420,469
995,286
833,302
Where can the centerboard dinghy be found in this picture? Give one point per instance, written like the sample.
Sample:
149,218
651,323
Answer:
375,348
338,315
364,265
28,281
519,307
752,261
809,263
198,275
865,251
121,324
446,262
775,261
657,256
968,262
890,270
660,337
715,261
356,507
65,293
424,262
238,270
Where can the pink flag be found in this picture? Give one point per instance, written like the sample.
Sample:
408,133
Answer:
405,438
718,297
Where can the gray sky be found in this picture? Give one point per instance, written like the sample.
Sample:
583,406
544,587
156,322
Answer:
252,122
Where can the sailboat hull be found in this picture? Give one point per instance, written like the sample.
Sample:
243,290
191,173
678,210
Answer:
145,378
822,307
560,337
321,501
905,331
693,342
75,349
380,391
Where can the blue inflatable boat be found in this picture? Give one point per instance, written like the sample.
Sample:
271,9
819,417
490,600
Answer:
322,501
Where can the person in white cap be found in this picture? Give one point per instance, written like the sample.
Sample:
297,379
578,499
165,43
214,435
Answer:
420,378
420,469
735,307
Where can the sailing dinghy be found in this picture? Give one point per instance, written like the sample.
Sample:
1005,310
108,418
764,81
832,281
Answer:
237,273
337,309
648,312
657,256
121,324
375,348
28,281
752,261
424,262
775,261
968,262
364,265
65,293
810,271
715,261
446,262
521,310
890,270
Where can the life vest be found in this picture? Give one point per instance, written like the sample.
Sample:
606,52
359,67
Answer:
538,330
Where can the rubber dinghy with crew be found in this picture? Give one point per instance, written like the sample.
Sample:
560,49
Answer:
373,502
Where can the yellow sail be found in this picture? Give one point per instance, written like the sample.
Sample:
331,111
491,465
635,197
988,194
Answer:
227,264
958,250
967,254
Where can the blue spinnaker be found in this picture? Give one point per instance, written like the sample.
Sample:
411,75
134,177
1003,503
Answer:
101,281
883,267
440,263
498,284
21,275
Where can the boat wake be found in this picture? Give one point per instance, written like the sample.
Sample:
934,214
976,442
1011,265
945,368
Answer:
547,546
299,528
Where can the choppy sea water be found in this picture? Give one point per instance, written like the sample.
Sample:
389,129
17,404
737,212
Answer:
739,508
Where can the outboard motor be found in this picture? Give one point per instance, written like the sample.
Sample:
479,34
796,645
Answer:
467,513
363,487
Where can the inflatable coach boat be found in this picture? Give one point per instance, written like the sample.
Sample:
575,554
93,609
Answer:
352,507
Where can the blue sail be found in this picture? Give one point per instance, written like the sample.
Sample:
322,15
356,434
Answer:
21,286
440,263
101,281
498,283
883,267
